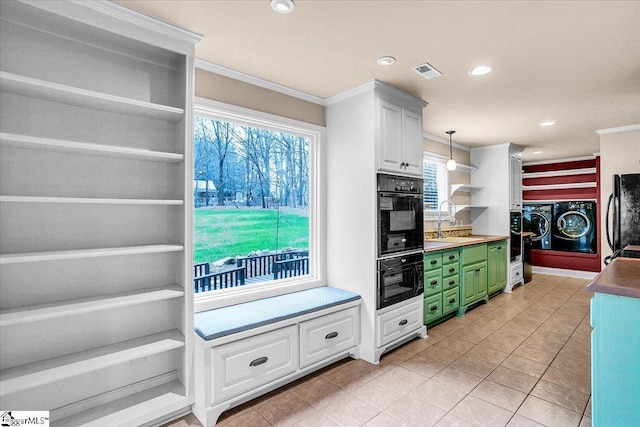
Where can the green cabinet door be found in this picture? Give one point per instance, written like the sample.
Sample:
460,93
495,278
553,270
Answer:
496,266
474,283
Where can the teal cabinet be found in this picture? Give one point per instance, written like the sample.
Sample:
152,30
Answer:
473,277
615,360
496,266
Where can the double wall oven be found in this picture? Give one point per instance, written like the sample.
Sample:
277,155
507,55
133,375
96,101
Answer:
400,239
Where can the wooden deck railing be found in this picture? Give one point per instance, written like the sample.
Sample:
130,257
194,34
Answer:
221,280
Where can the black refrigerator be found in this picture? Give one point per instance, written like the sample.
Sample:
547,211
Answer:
623,213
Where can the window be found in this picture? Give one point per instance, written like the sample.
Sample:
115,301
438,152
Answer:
436,184
256,202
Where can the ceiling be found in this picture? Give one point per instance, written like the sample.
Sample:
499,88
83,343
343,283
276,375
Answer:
574,62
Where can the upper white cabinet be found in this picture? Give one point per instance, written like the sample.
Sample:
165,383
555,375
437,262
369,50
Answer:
399,133
515,181
96,314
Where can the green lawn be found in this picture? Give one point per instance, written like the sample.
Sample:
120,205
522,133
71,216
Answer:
231,232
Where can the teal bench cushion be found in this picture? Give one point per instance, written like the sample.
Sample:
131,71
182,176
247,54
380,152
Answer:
223,321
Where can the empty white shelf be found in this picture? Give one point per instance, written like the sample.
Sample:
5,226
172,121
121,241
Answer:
464,188
87,253
25,141
35,88
87,200
37,312
465,168
461,208
37,374
137,409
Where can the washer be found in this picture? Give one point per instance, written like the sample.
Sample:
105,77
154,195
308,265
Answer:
537,219
574,227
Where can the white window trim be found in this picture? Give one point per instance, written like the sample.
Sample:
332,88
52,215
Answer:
317,204
432,215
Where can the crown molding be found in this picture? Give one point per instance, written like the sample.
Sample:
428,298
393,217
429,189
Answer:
618,129
256,81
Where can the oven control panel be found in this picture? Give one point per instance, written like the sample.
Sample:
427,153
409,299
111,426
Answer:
399,184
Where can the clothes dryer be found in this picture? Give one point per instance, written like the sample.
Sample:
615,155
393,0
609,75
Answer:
537,219
574,227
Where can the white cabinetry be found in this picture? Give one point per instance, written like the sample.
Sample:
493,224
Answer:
399,132
497,164
95,138
353,157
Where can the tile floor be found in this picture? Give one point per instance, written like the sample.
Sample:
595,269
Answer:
521,360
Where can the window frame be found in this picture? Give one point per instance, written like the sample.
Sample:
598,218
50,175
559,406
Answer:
432,215
317,204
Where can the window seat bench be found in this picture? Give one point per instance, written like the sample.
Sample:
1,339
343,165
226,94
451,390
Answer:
248,349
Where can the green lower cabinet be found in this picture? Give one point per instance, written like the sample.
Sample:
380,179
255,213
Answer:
432,308
450,300
496,266
432,282
473,285
450,282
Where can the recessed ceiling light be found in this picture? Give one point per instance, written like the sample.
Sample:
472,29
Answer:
537,152
480,71
386,60
547,123
282,6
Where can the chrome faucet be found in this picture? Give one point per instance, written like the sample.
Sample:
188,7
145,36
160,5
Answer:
451,217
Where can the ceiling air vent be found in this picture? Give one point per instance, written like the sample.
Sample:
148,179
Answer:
427,71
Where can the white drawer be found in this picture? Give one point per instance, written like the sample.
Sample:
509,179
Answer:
398,322
516,275
328,335
243,365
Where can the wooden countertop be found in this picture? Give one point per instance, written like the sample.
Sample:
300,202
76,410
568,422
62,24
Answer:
431,245
621,277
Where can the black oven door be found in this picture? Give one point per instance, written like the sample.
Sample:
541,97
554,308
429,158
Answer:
400,223
399,278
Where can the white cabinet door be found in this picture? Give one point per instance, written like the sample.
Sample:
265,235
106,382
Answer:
398,322
412,142
390,153
328,335
515,177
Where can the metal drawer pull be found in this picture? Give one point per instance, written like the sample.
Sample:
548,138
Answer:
434,261
452,282
478,270
259,361
434,282
403,322
452,256
434,308
451,270
452,300
499,247
331,335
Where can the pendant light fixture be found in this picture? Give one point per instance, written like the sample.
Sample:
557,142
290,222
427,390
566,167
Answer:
451,163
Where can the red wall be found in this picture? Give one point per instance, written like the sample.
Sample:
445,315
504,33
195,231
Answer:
561,190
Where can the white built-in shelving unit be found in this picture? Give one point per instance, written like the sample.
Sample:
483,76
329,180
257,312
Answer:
96,309
466,168
457,189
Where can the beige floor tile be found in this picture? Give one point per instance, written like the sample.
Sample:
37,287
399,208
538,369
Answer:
189,420
474,366
543,344
384,420
371,369
561,395
576,352
437,394
317,393
585,422
504,340
534,353
568,379
458,379
397,356
351,411
526,366
578,366
472,334
500,395
316,420
520,421
441,354
557,337
348,378
247,418
455,344
487,354
513,379
423,365
451,420
402,378
418,345
520,329
379,393
577,342
285,409
587,411
234,412
547,413
481,413
551,325
414,411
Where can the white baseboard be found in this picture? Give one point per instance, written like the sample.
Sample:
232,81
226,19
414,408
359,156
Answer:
578,274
